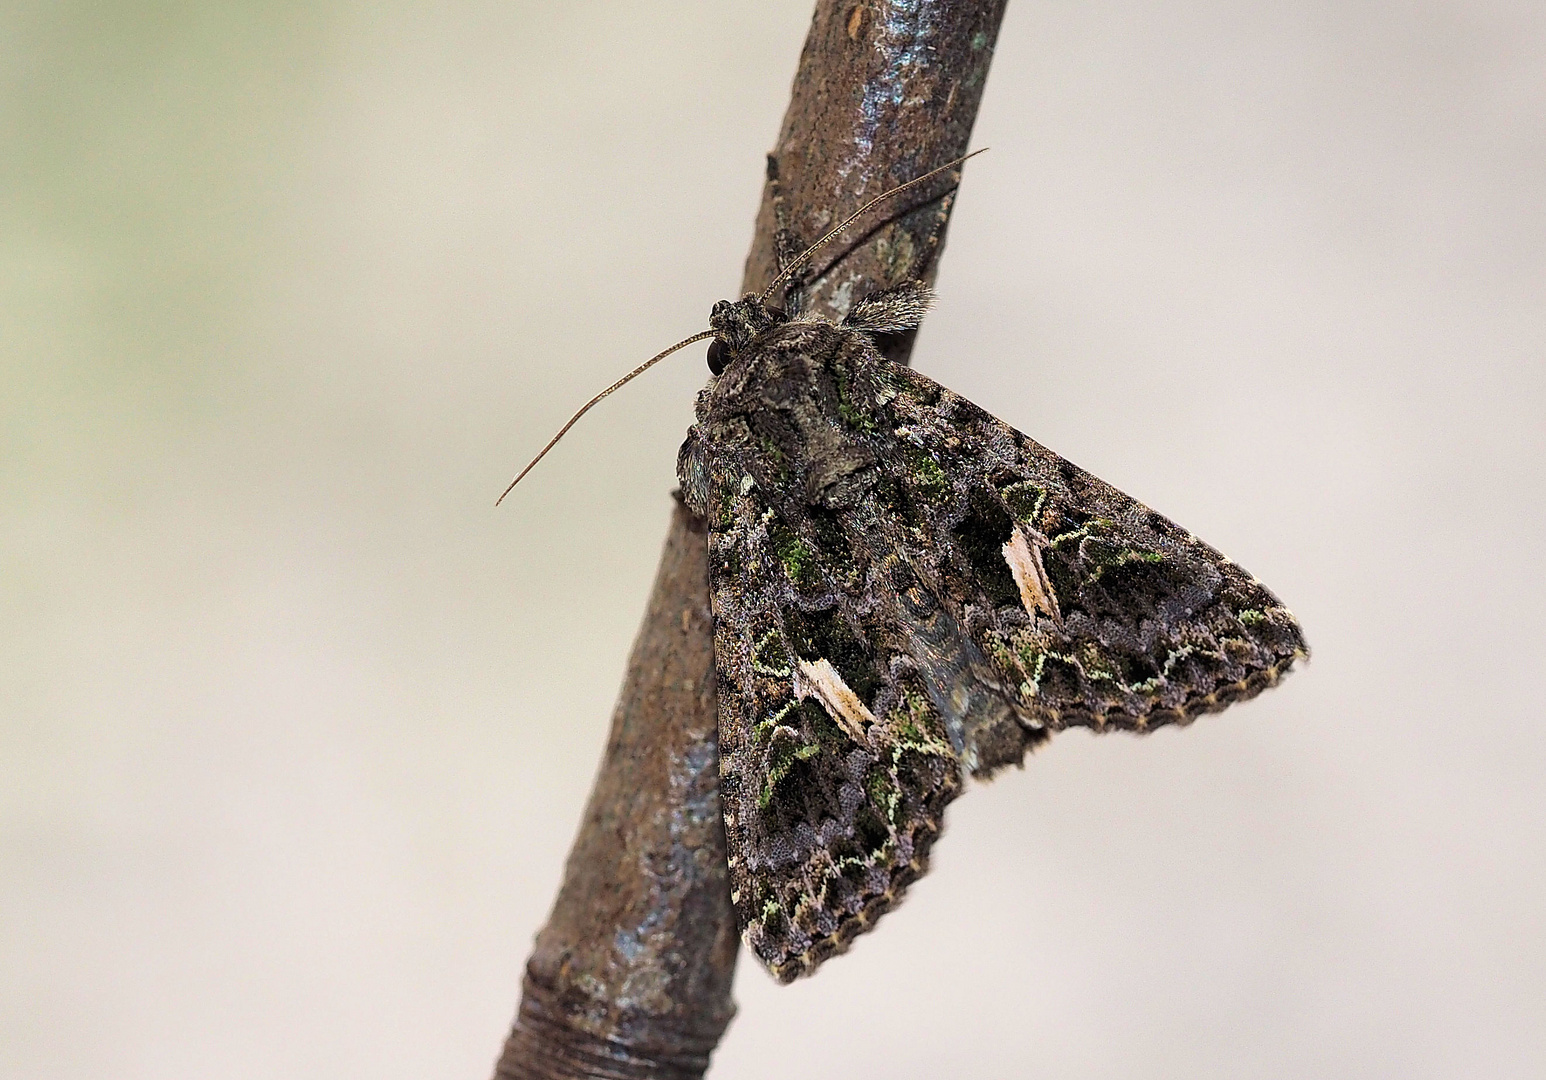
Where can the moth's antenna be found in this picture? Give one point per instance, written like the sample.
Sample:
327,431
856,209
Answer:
635,373
808,252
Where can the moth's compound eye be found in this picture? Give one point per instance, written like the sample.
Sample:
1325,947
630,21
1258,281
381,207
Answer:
717,357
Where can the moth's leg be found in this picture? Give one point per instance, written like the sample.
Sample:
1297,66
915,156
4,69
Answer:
787,245
924,259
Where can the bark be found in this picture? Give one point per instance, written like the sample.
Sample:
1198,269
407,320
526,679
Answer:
631,976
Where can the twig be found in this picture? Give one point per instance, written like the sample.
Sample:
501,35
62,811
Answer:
631,976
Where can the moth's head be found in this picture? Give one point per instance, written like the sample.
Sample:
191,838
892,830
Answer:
735,324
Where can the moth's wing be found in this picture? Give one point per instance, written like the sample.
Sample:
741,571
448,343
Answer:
904,587
1092,609
830,809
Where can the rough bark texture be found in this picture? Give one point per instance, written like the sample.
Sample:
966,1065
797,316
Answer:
885,92
631,976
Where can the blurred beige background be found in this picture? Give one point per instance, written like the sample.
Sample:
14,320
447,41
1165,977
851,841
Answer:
295,728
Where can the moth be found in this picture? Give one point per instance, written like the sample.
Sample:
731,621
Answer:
906,592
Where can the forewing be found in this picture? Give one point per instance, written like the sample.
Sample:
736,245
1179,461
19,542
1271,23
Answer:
906,588
830,802
1093,609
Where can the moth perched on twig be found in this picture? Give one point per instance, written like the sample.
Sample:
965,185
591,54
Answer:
905,590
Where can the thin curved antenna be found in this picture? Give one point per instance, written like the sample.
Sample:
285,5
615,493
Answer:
635,373
805,255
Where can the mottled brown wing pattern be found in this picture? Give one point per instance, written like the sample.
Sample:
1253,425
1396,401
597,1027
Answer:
906,588
1093,609
830,803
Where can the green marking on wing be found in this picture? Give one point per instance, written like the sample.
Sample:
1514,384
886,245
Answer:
798,732
922,469
911,724
883,792
1024,500
763,730
1173,658
784,750
847,411
1109,556
1094,662
794,555
780,668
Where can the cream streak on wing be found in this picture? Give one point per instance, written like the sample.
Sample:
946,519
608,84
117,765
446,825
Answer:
1025,564
822,680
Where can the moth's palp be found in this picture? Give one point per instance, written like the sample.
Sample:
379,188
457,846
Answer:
856,215
635,373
